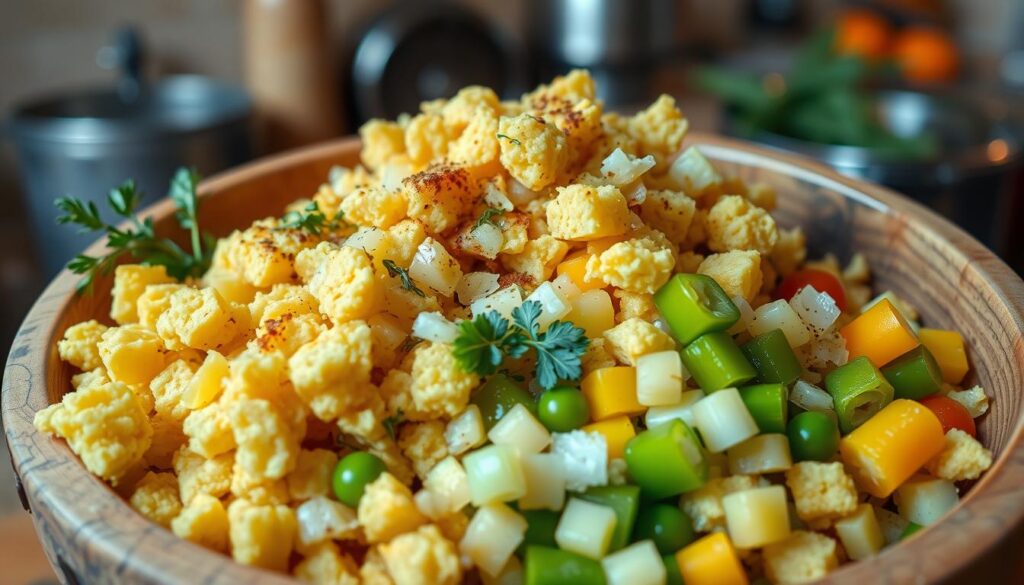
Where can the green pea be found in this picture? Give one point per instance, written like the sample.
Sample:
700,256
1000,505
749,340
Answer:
498,396
353,473
563,409
669,527
813,436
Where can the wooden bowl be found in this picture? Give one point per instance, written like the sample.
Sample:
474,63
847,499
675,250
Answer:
91,535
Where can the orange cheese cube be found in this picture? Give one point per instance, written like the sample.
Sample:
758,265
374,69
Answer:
611,392
948,349
711,560
880,333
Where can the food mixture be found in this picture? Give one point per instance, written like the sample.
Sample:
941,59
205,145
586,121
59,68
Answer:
524,342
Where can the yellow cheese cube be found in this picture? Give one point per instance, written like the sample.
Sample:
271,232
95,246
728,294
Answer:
611,392
617,432
948,349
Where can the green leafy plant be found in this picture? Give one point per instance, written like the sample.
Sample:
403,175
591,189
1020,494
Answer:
136,236
396,271
312,220
487,217
485,341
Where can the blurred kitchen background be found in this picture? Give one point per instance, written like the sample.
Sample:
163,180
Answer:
926,96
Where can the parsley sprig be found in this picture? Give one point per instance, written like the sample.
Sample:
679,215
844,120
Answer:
312,219
486,340
138,238
394,270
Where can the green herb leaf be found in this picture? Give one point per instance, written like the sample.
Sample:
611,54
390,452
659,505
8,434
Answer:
510,139
394,270
312,220
487,217
81,213
478,348
391,423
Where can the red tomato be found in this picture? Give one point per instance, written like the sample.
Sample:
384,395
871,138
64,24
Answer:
819,279
951,414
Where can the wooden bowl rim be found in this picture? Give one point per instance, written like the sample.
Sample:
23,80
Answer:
35,338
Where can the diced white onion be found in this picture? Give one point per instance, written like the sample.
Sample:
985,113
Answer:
552,306
566,288
519,194
657,415
489,239
585,528
810,397
925,500
817,309
321,519
693,173
492,536
779,315
494,196
723,420
504,302
637,564
391,175
620,168
746,315
659,378
520,429
495,475
476,285
465,431
584,457
434,327
545,482
434,267
635,192
767,453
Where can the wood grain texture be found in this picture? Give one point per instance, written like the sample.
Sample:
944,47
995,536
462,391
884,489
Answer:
92,536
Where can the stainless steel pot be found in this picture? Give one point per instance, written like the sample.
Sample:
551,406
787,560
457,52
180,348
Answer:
84,143
974,177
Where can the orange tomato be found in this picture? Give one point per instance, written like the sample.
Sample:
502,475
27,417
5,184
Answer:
863,33
951,414
926,55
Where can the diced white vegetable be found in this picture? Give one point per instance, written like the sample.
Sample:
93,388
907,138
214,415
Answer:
584,458
489,240
659,378
431,505
891,523
761,454
828,347
723,420
585,528
810,397
511,574
779,315
476,285
323,519
371,240
387,332
860,533
746,315
519,194
492,536
593,312
465,431
495,475
566,288
434,327
391,174
974,400
336,176
635,192
620,168
552,306
205,384
545,482
637,564
504,301
924,500
449,482
494,194
434,267
756,517
657,415
817,309
692,173
520,429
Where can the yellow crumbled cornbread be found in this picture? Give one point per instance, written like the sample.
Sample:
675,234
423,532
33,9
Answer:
257,489
312,474
639,265
382,140
704,505
961,459
800,558
375,206
633,338
736,224
209,430
737,272
261,536
168,387
130,281
230,284
440,386
426,139
329,372
575,86
659,129
596,357
790,251
374,571
201,319
478,146
132,354
168,437
670,212
266,447
365,419
280,300
973,399
325,565
156,498
422,556
440,196
203,521
154,301
538,258
198,475
264,254
635,306
90,378
103,424
342,280
581,124
459,111
581,212
534,152
387,509
80,345
821,491
424,445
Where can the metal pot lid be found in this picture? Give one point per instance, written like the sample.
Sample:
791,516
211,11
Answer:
175,105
